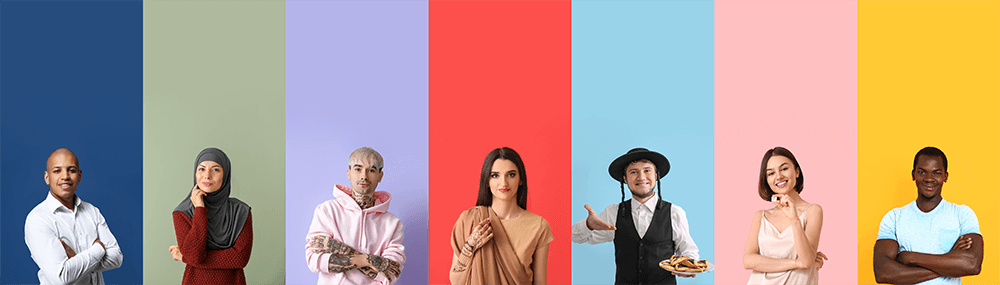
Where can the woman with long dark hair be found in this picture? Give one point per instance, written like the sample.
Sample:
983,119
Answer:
498,241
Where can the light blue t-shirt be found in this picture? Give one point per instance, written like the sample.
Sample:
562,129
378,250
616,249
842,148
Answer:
934,232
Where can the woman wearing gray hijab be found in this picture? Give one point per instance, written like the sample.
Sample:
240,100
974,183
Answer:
214,231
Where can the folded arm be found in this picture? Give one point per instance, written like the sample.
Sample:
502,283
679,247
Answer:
964,259
806,243
113,253
54,259
888,270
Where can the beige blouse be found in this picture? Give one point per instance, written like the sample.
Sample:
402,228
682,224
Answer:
527,233
781,244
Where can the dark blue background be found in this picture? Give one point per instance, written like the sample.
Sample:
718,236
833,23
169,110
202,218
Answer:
71,76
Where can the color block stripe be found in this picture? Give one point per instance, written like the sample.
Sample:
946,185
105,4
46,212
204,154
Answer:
357,76
71,77
786,76
214,77
642,77
928,75
499,76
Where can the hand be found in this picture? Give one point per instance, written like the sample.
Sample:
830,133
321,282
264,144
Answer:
787,206
481,234
175,252
102,244
361,260
69,251
820,259
682,275
963,243
593,223
197,197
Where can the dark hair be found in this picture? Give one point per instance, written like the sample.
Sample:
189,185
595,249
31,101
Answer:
763,188
485,196
930,151
658,192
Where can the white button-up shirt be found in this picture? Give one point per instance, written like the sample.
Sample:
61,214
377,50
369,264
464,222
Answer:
50,222
642,215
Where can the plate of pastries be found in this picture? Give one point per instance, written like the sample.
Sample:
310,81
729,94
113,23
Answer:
685,265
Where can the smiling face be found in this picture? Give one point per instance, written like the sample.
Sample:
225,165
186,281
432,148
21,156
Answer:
364,175
640,176
781,174
209,175
504,180
63,174
930,176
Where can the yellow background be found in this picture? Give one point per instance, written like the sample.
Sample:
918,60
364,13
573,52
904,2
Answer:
928,75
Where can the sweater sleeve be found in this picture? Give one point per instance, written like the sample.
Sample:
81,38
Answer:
191,236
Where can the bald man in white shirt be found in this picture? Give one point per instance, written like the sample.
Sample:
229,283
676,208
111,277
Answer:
69,239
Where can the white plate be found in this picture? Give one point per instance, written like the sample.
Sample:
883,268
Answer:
709,269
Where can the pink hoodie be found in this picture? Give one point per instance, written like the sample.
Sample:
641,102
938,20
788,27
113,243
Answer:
371,231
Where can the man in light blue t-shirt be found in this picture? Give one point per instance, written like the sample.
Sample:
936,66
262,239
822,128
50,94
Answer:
930,240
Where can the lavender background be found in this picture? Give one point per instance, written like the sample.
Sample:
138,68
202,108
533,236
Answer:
356,75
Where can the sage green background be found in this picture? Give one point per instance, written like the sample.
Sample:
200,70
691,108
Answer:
214,76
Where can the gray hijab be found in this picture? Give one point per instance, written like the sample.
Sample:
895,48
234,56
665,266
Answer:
226,216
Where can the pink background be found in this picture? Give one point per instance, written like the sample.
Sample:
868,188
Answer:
786,75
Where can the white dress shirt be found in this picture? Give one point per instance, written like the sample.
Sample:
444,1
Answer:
50,222
642,215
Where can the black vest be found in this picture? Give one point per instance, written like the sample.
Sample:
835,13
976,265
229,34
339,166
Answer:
638,259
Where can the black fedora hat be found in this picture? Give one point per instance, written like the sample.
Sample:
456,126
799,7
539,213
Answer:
617,168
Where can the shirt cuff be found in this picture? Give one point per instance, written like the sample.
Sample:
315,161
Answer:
581,233
95,253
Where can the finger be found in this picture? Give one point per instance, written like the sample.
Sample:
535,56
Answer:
821,254
590,210
488,237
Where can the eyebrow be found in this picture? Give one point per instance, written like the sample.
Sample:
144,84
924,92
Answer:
783,164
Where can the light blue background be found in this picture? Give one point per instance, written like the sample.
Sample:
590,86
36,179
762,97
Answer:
643,77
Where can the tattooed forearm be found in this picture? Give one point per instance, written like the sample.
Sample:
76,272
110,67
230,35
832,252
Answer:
337,247
341,263
381,264
464,258
365,201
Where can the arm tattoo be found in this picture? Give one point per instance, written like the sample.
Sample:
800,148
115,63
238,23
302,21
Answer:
341,263
380,264
336,247
340,257
464,258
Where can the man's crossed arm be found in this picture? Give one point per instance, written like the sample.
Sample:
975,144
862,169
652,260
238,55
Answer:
345,258
892,266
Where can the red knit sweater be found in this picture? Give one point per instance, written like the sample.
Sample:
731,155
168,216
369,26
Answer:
224,266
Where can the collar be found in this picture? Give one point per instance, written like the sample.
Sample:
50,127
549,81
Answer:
650,204
51,204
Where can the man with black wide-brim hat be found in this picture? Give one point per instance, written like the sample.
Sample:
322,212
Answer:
645,230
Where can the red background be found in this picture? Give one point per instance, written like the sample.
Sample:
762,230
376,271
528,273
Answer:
500,75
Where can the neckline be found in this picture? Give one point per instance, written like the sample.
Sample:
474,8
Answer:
789,225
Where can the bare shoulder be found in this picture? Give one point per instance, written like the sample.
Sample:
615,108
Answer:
757,216
815,210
